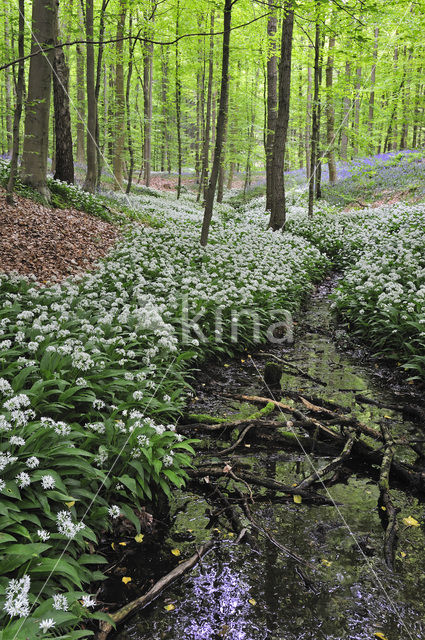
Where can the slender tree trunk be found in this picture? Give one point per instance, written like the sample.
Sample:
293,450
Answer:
315,123
271,101
80,105
119,123
330,113
91,175
100,46
357,111
18,107
308,121
147,99
278,209
164,93
64,169
221,122
8,85
36,140
346,112
128,108
416,116
203,182
178,106
372,92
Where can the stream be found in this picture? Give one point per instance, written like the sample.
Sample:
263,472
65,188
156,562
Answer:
244,593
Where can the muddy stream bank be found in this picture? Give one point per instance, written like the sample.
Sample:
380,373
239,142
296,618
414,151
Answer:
305,568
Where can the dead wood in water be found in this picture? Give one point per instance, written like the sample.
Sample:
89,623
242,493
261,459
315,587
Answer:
154,592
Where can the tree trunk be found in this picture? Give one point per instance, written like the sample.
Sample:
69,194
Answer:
271,100
64,168
164,93
315,123
147,100
91,175
178,107
203,182
18,107
357,111
278,208
221,122
8,85
128,110
119,125
99,153
330,114
308,121
346,111
372,92
36,140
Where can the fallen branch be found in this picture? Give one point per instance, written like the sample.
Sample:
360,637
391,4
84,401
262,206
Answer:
332,465
154,592
268,483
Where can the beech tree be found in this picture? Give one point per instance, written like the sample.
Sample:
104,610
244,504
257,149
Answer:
37,106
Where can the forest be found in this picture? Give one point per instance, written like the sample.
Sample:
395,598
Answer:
212,319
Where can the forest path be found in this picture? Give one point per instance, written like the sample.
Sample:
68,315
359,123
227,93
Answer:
337,584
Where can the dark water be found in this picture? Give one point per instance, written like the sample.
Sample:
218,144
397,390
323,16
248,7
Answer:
244,594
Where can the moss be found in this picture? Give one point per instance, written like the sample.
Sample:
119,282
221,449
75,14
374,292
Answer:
205,418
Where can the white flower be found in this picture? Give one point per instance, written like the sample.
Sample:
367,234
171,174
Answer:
32,462
114,511
48,482
66,527
17,603
88,601
23,480
16,440
60,603
5,387
2,484
138,395
43,534
80,382
46,624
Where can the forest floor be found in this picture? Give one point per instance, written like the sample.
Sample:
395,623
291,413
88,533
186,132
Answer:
50,244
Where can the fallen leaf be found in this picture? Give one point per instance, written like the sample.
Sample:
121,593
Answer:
380,635
175,552
297,499
411,522
70,504
384,508
387,417
122,544
139,537
227,365
169,607
403,554
227,468
113,546
126,579
252,601
326,563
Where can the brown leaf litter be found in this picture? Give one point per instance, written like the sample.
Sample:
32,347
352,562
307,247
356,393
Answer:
50,244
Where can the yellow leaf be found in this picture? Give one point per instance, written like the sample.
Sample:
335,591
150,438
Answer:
242,360
388,417
175,552
411,522
122,544
139,537
190,530
70,504
326,563
252,601
380,635
230,534
403,554
297,499
384,508
126,579
217,530
169,607
248,446
227,365
113,546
